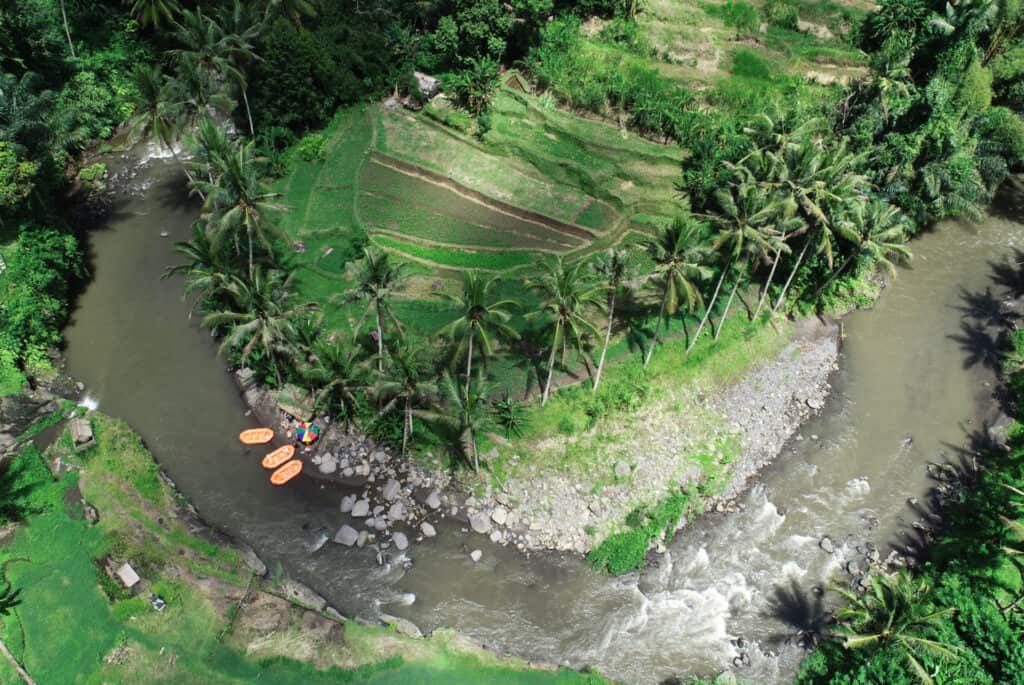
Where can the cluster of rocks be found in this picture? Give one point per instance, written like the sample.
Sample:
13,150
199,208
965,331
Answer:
655,451
394,500
766,408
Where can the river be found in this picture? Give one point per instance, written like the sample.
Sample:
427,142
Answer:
732,590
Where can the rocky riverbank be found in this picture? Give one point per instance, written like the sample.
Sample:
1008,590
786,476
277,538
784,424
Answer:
390,502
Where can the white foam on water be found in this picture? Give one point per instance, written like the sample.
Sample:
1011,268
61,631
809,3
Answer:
791,569
858,487
89,402
153,150
796,542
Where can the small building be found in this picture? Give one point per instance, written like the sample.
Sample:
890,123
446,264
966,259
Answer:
81,433
428,85
127,575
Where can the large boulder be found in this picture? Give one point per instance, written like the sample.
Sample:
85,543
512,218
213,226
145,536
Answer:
361,508
499,515
480,522
434,500
391,489
346,535
427,530
401,541
347,503
396,512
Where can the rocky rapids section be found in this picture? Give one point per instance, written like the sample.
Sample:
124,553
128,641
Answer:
392,502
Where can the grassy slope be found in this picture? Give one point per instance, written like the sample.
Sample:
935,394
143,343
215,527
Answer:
691,43
67,630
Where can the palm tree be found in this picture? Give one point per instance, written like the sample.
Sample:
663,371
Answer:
745,224
210,147
896,613
612,267
240,32
293,9
877,230
481,318
67,29
784,227
240,202
156,112
153,12
466,416
207,274
210,57
508,413
679,252
566,292
377,280
820,180
407,383
336,374
261,315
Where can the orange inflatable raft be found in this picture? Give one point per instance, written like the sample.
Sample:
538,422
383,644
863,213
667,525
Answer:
278,457
286,472
256,436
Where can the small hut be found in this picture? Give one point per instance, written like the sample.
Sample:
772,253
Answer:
127,575
81,434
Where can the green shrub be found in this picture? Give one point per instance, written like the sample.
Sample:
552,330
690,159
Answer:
781,13
737,14
310,147
748,64
11,378
625,551
35,289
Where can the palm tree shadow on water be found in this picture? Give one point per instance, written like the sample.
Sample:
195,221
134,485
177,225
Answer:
803,613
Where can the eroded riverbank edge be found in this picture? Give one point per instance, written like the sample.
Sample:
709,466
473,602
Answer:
741,427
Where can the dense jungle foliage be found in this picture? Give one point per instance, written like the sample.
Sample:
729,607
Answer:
796,192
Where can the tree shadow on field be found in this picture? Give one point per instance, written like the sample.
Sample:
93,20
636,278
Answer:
802,611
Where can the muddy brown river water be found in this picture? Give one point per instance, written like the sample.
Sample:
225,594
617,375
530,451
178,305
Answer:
732,591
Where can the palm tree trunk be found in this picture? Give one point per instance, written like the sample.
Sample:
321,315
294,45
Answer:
380,341
67,31
14,663
248,113
551,371
405,426
469,360
835,274
657,328
789,281
476,455
707,310
607,338
725,314
768,283
277,371
249,235
184,167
